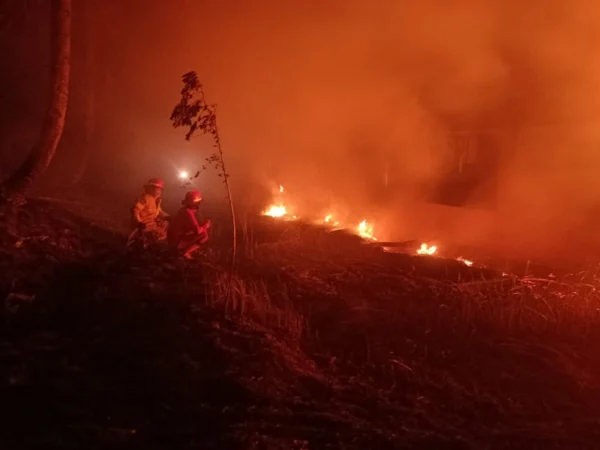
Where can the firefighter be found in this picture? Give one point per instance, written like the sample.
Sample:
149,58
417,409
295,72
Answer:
148,218
185,234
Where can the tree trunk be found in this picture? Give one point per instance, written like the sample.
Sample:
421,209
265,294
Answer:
90,81
39,159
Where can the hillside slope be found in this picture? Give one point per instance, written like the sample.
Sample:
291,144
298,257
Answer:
325,343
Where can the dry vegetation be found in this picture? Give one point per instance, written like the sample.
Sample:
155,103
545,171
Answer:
326,343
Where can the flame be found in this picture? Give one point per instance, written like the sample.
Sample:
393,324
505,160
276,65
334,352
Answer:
279,210
275,211
365,230
466,262
426,249
328,220
183,174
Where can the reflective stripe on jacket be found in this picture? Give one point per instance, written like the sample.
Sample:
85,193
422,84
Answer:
147,209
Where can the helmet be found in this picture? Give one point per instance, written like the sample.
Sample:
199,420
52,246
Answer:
192,198
156,182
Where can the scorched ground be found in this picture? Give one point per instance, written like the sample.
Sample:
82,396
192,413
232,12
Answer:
326,343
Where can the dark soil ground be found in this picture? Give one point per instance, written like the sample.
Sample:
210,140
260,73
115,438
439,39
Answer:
324,343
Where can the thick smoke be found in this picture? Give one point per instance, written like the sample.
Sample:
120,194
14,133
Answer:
321,98
350,103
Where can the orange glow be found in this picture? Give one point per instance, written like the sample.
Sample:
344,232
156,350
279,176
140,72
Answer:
328,220
426,249
365,230
275,211
296,121
279,210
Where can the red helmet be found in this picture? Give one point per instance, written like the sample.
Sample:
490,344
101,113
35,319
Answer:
156,182
192,198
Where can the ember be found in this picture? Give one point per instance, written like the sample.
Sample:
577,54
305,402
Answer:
466,262
328,220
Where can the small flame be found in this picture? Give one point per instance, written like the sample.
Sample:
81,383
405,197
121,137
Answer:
426,249
466,262
183,174
276,211
365,230
328,220
279,210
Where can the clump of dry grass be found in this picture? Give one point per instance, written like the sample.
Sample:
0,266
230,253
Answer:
528,304
252,299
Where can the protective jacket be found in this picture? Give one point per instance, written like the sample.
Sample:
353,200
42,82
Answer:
184,228
147,210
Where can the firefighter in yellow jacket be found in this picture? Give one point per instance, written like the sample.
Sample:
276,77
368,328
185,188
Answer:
147,215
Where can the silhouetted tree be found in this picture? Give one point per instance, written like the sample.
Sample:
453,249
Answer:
39,159
196,115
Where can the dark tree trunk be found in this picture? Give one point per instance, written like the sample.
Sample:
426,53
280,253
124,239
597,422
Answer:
90,81
15,188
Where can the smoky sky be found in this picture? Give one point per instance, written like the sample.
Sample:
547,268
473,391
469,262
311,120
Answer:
321,96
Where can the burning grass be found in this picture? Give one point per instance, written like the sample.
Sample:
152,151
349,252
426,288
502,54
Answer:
280,209
489,296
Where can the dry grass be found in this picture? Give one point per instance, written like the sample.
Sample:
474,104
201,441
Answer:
365,279
251,299
506,302
326,343
445,348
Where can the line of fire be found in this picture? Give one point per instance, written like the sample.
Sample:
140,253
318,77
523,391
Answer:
483,200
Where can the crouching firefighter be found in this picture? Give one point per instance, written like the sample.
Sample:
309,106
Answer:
149,221
185,234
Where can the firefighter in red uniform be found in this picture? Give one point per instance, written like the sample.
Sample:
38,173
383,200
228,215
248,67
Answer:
185,233
147,215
